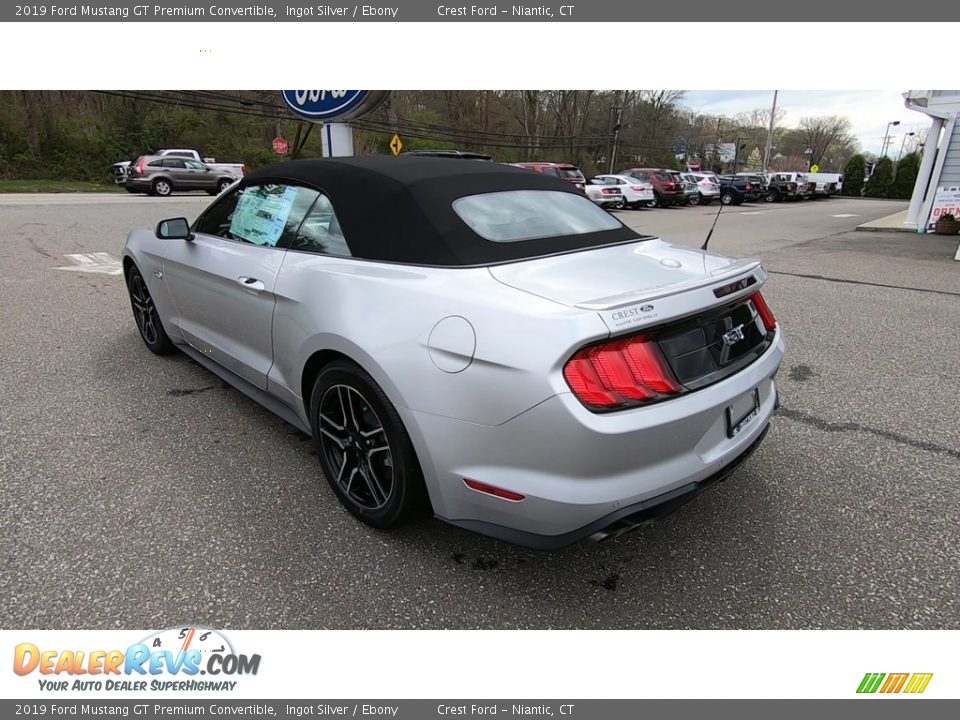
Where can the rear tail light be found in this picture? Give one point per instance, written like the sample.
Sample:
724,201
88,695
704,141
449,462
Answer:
141,162
636,188
243,169
671,185
769,322
789,186
619,374
748,187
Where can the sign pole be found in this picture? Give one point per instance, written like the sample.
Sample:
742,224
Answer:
337,140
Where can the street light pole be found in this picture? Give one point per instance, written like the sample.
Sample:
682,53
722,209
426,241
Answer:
900,154
769,148
616,136
886,136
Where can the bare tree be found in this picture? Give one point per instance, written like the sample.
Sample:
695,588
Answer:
821,131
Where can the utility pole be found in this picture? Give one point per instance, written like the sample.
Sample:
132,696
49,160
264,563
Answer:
769,149
736,155
618,112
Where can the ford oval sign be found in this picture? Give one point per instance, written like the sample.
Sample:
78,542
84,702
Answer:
332,105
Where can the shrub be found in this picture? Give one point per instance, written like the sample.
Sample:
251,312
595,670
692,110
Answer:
853,175
878,186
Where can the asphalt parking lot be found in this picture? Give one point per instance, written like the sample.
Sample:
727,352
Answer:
142,492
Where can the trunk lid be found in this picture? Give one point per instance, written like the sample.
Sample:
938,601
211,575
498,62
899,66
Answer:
611,277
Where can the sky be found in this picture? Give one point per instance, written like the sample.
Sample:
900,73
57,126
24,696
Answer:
869,111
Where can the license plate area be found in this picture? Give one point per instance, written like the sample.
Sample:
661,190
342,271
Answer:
742,411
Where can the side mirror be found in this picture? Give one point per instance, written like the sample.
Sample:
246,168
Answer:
174,229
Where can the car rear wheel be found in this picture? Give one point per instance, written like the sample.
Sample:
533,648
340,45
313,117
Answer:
146,316
727,198
161,187
656,202
223,185
772,196
363,448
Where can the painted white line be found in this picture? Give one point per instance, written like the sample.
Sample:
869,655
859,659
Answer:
846,215
757,212
99,262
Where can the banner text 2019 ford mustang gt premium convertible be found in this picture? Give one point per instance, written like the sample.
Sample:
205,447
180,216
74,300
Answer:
470,339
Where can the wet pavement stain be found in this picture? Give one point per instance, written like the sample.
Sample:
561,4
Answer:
802,373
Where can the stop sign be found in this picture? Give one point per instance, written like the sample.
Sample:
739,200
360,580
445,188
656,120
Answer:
280,146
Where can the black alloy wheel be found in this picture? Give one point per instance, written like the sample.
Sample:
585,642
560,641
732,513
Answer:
146,316
364,449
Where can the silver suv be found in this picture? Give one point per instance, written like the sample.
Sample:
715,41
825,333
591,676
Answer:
162,174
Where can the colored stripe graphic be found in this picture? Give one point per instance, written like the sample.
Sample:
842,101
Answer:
870,682
918,682
894,683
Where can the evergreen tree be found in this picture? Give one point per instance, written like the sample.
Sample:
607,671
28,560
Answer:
878,186
906,176
853,175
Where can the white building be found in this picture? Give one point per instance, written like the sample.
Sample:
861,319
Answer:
937,189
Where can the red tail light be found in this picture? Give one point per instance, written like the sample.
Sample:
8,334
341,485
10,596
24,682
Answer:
769,322
620,373
141,162
790,186
748,187
243,169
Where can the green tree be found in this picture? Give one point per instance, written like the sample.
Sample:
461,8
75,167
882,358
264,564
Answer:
906,176
878,186
853,175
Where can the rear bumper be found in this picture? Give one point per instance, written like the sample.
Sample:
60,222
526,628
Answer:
616,523
580,472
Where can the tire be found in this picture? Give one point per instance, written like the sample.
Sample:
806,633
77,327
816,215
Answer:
727,198
656,202
223,184
364,450
701,200
161,187
146,316
772,196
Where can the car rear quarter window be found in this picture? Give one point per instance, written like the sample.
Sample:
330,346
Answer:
516,215
267,215
320,231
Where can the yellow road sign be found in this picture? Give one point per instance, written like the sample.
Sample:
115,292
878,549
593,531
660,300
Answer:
395,145
813,168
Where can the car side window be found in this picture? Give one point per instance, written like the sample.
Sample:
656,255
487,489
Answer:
174,163
320,231
266,215
195,166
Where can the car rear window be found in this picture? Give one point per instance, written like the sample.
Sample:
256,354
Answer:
571,173
515,215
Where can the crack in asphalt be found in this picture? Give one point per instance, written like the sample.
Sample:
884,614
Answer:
849,426
864,282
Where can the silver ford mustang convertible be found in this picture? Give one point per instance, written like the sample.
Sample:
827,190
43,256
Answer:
469,339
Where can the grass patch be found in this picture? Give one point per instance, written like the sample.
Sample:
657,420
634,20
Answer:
55,186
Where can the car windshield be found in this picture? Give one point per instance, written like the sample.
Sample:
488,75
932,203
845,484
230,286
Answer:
514,215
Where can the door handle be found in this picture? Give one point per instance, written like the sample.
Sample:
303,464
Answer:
250,283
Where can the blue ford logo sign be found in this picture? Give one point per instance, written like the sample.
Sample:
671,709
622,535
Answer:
329,105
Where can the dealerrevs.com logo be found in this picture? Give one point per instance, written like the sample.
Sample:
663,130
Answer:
172,659
909,683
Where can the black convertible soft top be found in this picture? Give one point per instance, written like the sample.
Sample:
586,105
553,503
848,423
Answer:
400,209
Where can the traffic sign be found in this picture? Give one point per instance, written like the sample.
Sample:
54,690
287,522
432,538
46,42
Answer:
280,146
332,105
395,145
814,168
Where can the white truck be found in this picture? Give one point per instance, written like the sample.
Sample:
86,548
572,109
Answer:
825,184
120,170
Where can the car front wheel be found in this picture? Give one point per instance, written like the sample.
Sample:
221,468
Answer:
146,315
162,187
363,448
727,198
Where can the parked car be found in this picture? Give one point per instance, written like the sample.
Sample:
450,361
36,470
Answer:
758,182
691,193
708,186
635,192
606,196
734,187
119,170
488,346
564,171
666,188
786,186
825,184
163,174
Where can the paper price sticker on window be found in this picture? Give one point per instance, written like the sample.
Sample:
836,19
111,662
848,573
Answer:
262,213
